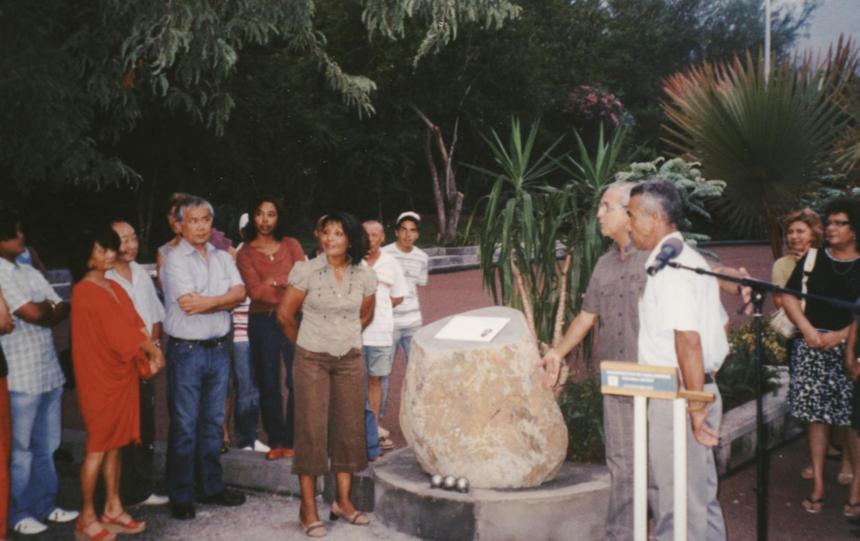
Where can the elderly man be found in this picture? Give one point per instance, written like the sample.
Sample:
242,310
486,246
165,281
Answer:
611,303
35,384
202,285
682,324
137,460
378,337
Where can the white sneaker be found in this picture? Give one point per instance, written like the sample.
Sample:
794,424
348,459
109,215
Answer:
62,515
155,499
382,432
261,447
29,526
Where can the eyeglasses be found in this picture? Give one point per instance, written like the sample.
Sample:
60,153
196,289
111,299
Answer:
840,223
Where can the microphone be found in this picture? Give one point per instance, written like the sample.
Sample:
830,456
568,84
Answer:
669,251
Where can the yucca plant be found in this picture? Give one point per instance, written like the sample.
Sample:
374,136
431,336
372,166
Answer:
522,217
769,140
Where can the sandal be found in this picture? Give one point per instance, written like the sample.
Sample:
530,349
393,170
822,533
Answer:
812,506
94,531
357,517
315,529
851,510
845,478
122,523
806,473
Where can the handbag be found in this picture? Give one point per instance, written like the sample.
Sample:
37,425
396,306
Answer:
779,320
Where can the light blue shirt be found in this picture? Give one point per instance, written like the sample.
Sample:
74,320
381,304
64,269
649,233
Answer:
142,292
186,271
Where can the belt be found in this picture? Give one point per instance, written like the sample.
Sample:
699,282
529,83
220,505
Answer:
709,378
209,344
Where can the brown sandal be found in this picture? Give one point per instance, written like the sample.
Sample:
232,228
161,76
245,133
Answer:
315,529
357,517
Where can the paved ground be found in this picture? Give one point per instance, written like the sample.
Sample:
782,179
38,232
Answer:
274,517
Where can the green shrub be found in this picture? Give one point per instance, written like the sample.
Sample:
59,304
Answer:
581,405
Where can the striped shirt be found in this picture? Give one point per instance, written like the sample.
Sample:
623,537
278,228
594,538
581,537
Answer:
414,264
29,349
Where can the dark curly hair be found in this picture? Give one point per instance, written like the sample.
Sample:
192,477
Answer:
851,208
82,248
10,222
355,234
249,232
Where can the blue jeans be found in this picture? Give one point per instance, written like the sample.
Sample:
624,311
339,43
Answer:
197,379
371,432
247,405
403,340
268,347
35,436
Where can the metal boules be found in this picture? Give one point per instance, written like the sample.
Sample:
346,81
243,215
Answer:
450,482
436,481
463,484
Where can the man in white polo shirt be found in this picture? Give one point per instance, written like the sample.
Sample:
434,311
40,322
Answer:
681,323
407,315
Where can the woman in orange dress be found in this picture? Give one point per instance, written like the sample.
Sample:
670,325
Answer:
111,350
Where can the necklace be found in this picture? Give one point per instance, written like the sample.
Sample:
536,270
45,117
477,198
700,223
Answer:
834,262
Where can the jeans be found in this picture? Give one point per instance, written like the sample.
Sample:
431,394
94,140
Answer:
403,340
268,347
372,433
197,379
246,408
35,437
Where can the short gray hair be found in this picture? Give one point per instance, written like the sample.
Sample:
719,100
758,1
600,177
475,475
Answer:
660,196
192,201
624,188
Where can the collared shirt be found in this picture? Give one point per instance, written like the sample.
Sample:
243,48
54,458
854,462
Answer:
681,300
613,293
29,349
186,271
390,282
407,314
331,311
142,293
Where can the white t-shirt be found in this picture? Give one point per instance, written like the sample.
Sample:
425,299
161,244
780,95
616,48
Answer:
142,292
678,299
390,282
414,264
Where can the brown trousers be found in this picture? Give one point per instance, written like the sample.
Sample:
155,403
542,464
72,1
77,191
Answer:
330,400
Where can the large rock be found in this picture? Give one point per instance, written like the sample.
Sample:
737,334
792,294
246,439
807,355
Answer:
479,410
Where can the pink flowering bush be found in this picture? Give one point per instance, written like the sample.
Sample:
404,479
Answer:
592,103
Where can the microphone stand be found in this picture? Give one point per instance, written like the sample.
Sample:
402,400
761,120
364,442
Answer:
760,289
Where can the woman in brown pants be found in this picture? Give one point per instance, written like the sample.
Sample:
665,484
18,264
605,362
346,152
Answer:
335,293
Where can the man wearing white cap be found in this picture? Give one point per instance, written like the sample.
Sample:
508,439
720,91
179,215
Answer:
407,315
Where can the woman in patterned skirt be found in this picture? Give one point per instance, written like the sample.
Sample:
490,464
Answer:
820,394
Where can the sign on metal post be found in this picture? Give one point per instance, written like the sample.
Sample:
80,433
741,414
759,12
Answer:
661,382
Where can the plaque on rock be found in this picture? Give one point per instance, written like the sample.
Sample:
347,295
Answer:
479,410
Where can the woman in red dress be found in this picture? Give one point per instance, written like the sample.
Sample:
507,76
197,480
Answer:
111,350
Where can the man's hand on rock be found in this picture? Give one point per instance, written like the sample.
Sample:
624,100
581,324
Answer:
551,364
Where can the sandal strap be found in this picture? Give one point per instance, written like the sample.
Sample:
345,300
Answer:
95,535
123,519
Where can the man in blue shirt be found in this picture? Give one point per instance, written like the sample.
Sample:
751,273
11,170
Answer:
201,286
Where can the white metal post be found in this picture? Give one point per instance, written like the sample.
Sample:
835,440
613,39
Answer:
679,429
640,468
766,40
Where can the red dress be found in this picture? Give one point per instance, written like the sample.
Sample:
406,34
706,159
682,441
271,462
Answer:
106,338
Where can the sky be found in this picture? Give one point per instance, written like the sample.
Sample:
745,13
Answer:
831,18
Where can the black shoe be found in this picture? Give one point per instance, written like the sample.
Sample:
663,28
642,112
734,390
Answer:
227,498
182,511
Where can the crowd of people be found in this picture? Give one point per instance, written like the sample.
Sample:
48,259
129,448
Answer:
235,327
228,323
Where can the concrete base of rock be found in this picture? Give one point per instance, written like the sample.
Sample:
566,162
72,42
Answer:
570,507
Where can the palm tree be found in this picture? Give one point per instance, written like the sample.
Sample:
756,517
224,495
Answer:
769,140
